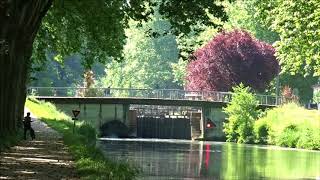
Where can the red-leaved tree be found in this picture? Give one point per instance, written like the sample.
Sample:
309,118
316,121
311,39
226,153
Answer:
229,59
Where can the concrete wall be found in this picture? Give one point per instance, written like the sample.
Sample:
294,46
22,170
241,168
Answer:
90,112
217,116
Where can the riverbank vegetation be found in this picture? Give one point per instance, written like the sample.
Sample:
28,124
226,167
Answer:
289,125
242,114
90,161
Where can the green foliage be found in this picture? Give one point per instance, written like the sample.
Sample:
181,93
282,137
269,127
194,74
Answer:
316,97
261,131
147,60
68,73
297,23
241,16
288,137
179,72
301,84
241,111
96,29
291,126
90,161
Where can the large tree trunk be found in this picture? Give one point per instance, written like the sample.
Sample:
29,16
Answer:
19,23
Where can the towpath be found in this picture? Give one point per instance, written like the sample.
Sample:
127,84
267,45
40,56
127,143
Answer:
46,157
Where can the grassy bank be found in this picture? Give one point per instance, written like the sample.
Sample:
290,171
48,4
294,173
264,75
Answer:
90,162
291,126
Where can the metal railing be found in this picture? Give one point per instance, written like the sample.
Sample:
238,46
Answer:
172,94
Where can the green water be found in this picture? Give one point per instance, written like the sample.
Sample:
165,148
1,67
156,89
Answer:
176,159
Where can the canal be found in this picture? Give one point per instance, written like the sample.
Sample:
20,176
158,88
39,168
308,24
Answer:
183,159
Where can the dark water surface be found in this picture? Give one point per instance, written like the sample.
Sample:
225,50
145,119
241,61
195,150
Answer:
179,159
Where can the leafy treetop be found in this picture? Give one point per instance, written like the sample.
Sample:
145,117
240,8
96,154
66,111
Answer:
229,59
96,28
297,23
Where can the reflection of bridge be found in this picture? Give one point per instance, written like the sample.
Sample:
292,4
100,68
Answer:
105,104
141,96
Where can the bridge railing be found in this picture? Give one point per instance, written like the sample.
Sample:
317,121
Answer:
173,94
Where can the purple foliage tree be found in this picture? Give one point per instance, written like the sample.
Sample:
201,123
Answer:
229,59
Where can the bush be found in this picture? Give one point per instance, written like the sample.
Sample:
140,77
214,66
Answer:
289,125
316,97
88,132
242,112
288,137
261,131
309,139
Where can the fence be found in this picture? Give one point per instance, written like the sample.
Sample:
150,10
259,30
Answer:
172,94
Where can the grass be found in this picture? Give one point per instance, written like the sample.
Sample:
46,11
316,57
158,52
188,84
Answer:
291,126
90,161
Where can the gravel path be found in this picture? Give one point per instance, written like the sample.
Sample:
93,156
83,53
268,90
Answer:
46,157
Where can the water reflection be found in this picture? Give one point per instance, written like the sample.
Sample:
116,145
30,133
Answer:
178,159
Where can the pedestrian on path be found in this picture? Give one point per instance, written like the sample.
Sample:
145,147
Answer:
27,126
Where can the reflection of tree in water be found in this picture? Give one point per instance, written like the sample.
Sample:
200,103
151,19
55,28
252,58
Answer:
238,162
176,159
244,162
163,159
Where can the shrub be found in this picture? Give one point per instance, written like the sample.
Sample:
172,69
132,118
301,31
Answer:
288,137
88,132
241,111
316,97
309,139
289,125
261,131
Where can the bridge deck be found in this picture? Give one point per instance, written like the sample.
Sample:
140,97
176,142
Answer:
140,101
174,97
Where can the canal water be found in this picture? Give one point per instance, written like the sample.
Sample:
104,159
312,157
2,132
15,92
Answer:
182,159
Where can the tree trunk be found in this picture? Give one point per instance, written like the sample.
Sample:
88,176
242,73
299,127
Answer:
19,23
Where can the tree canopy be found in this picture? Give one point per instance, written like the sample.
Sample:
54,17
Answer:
96,29
229,59
147,59
297,23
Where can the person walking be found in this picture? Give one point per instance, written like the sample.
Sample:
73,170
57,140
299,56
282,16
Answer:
27,126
